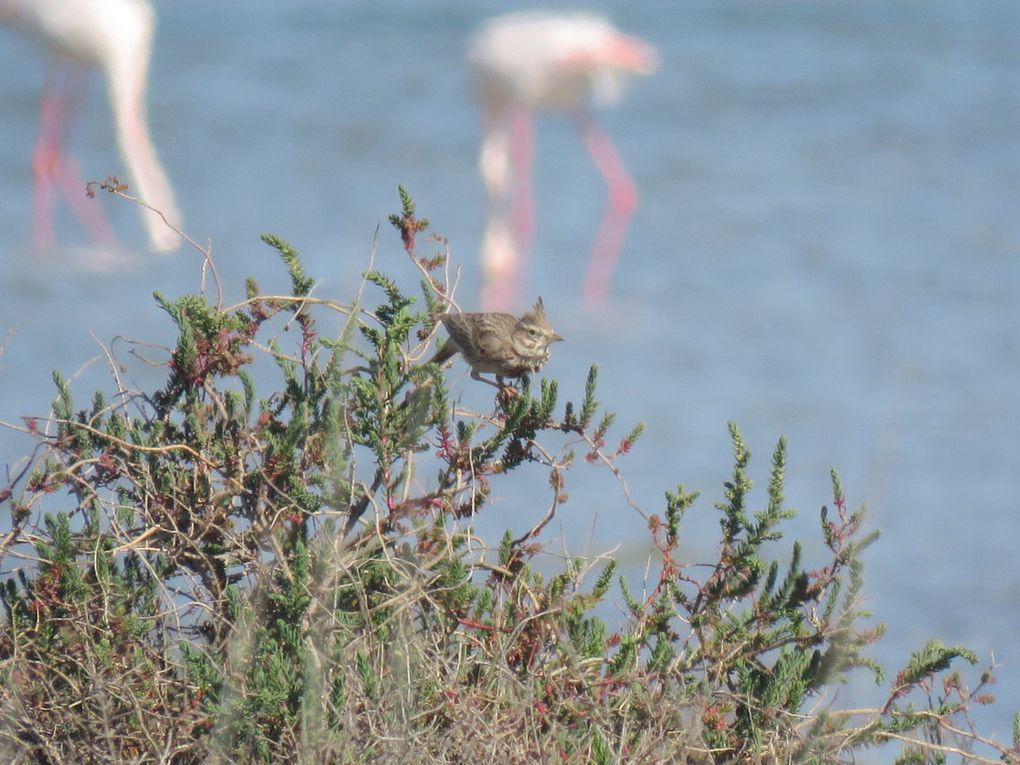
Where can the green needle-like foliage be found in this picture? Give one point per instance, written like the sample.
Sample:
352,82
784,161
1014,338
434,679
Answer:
270,559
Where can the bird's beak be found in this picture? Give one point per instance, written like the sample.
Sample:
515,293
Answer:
556,338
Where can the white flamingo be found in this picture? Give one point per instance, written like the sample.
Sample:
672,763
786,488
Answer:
114,36
528,61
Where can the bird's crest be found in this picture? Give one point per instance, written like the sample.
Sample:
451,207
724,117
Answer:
537,313
537,318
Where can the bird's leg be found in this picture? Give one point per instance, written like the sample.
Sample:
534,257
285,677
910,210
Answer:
55,170
623,199
127,85
499,265
87,210
504,295
506,392
522,160
499,384
45,160
499,250
506,159
476,375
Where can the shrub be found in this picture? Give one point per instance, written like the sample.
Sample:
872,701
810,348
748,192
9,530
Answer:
230,569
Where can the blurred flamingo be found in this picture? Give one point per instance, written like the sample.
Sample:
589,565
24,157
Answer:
538,60
114,36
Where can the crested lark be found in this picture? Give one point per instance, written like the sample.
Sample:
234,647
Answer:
498,343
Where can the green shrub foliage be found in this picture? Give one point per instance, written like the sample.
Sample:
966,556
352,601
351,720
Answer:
271,559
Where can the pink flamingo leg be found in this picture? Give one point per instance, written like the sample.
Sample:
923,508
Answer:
45,160
522,158
506,158
623,200
87,211
498,253
501,269
509,248
56,171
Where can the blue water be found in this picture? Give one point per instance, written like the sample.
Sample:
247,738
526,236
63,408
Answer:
828,248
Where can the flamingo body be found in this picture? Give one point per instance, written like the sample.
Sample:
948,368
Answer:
114,36
525,62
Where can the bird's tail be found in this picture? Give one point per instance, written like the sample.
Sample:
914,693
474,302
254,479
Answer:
444,354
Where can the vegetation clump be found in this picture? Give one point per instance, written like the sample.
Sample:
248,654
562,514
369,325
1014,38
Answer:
270,559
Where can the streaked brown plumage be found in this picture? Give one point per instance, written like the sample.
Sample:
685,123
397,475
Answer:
498,343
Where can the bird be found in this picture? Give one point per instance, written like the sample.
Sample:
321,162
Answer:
537,60
114,36
497,343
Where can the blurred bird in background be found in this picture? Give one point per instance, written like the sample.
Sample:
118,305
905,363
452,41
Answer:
537,60
114,36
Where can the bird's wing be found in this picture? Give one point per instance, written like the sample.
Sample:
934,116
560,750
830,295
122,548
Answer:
478,335
491,344
460,330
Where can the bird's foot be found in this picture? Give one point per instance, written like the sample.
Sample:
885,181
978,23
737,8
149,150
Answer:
507,393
